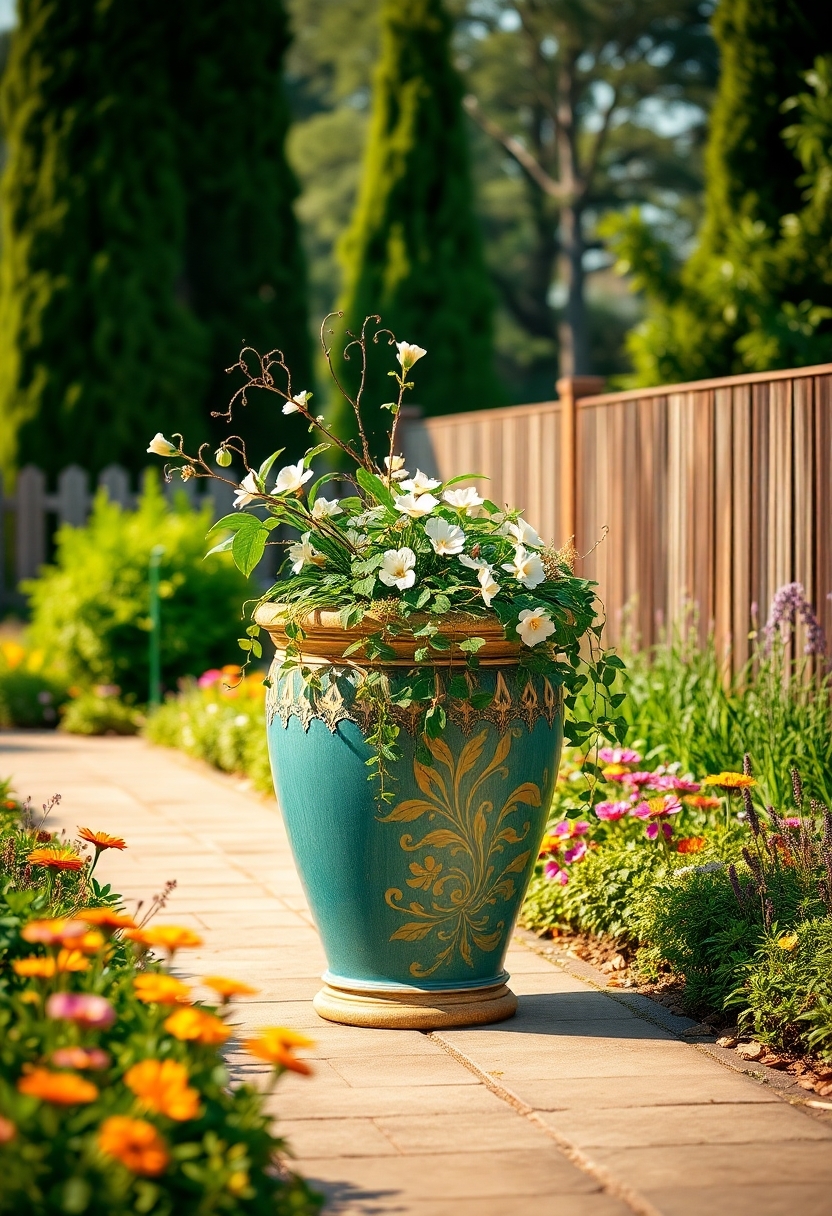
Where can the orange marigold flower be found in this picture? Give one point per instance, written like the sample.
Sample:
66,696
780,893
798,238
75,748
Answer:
615,770
36,966
788,942
158,989
89,943
56,859
276,1046
701,802
60,1088
56,932
691,844
8,1131
168,937
107,918
162,1086
730,781
228,988
101,840
135,1143
197,1025
72,960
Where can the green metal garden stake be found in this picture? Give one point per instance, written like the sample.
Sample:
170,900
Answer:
155,690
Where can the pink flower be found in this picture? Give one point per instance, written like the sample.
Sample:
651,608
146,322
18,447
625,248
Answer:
612,810
209,678
570,827
80,1057
82,1007
657,808
576,853
555,872
667,781
618,755
652,830
791,821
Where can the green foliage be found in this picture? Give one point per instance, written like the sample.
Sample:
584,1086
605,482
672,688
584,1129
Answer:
93,714
413,252
223,724
30,698
90,609
786,996
147,222
218,1155
757,293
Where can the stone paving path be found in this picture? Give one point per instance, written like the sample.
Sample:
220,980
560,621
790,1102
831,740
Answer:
576,1107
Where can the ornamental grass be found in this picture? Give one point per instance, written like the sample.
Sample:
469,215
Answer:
114,1096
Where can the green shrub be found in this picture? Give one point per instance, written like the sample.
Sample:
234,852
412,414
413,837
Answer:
90,609
94,714
786,996
221,720
29,698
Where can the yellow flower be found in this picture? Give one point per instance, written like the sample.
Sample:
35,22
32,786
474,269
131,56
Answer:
157,989
162,1086
60,1088
276,1045
228,988
730,781
788,941
42,968
135,1143
169,937
196,1025
237,1182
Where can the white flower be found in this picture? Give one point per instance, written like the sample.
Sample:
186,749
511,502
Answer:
160,446
395,467
488,586
535,626
420,484
473,563
299,399
397,568
247,490
291,478
323,508
301,553
522,532
357,539
527,568
447,539
467,500
408,354
415,505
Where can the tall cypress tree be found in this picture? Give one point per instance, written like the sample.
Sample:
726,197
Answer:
147,224
244,260
98,347
413,252
756,291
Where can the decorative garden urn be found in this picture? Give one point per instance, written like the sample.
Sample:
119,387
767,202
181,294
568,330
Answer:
415,898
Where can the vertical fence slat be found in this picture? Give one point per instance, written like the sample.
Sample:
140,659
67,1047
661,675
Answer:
73,496
115,480
30,529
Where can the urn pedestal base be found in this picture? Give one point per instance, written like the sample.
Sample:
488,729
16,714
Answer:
410,1009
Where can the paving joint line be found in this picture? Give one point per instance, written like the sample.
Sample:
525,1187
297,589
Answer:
608,1182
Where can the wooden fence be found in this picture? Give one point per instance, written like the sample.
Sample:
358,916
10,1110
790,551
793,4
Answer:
34,510
716,492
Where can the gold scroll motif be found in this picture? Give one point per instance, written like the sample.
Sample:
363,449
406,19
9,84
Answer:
464,874
288,698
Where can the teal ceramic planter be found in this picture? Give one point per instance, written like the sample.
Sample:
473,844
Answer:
415,899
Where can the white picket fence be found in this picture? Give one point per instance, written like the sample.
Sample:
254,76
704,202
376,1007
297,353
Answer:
34,510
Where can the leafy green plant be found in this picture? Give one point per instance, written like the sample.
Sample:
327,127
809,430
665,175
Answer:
92,713
90,609
219,719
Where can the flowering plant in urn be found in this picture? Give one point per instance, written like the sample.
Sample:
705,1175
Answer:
402,550
431,636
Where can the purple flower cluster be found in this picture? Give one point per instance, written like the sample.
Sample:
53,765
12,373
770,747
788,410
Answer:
789,602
